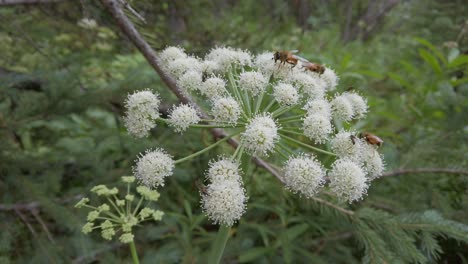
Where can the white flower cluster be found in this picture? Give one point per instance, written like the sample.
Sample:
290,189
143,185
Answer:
182,117
272,106
152,167
260,135
304,174
142,111
224,198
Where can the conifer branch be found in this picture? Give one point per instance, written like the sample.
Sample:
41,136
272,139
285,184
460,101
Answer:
127,27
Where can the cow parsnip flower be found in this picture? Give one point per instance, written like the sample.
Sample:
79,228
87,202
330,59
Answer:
273,110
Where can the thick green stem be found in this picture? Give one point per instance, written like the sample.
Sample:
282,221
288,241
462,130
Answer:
219,244
306,145
205,149
134,253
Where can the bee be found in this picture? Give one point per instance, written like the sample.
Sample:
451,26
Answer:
371,139
285,56
313,67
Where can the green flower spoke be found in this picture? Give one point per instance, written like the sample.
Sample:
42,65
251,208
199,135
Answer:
307,146
291,132
206,149
138,206
258,102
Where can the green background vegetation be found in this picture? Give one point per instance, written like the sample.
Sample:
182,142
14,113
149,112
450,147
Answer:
62,89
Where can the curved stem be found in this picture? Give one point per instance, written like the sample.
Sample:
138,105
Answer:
219,244
134,253
307,146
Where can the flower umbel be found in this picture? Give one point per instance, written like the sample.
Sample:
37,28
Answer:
124,214
275,109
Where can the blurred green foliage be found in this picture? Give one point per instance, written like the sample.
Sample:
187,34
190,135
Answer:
62,88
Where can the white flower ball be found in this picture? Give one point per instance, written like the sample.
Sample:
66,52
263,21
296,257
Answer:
226,109
253,82
224,202
319,107
317,127
210,67
314,88
330,78
171,54
142,111
260,135
347,180
243,58
265,63
285,94
152,167
190,81
358,104
180,66
213,87
342,108
373,162
222,170
345,144
182,117
304,174
225,57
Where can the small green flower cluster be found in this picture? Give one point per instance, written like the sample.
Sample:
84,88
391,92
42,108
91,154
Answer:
118,214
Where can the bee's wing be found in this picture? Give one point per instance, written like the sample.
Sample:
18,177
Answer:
294,51
300,58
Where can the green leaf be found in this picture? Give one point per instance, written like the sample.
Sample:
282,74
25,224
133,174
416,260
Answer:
295,231
459,61
254,253
432,48
431,60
